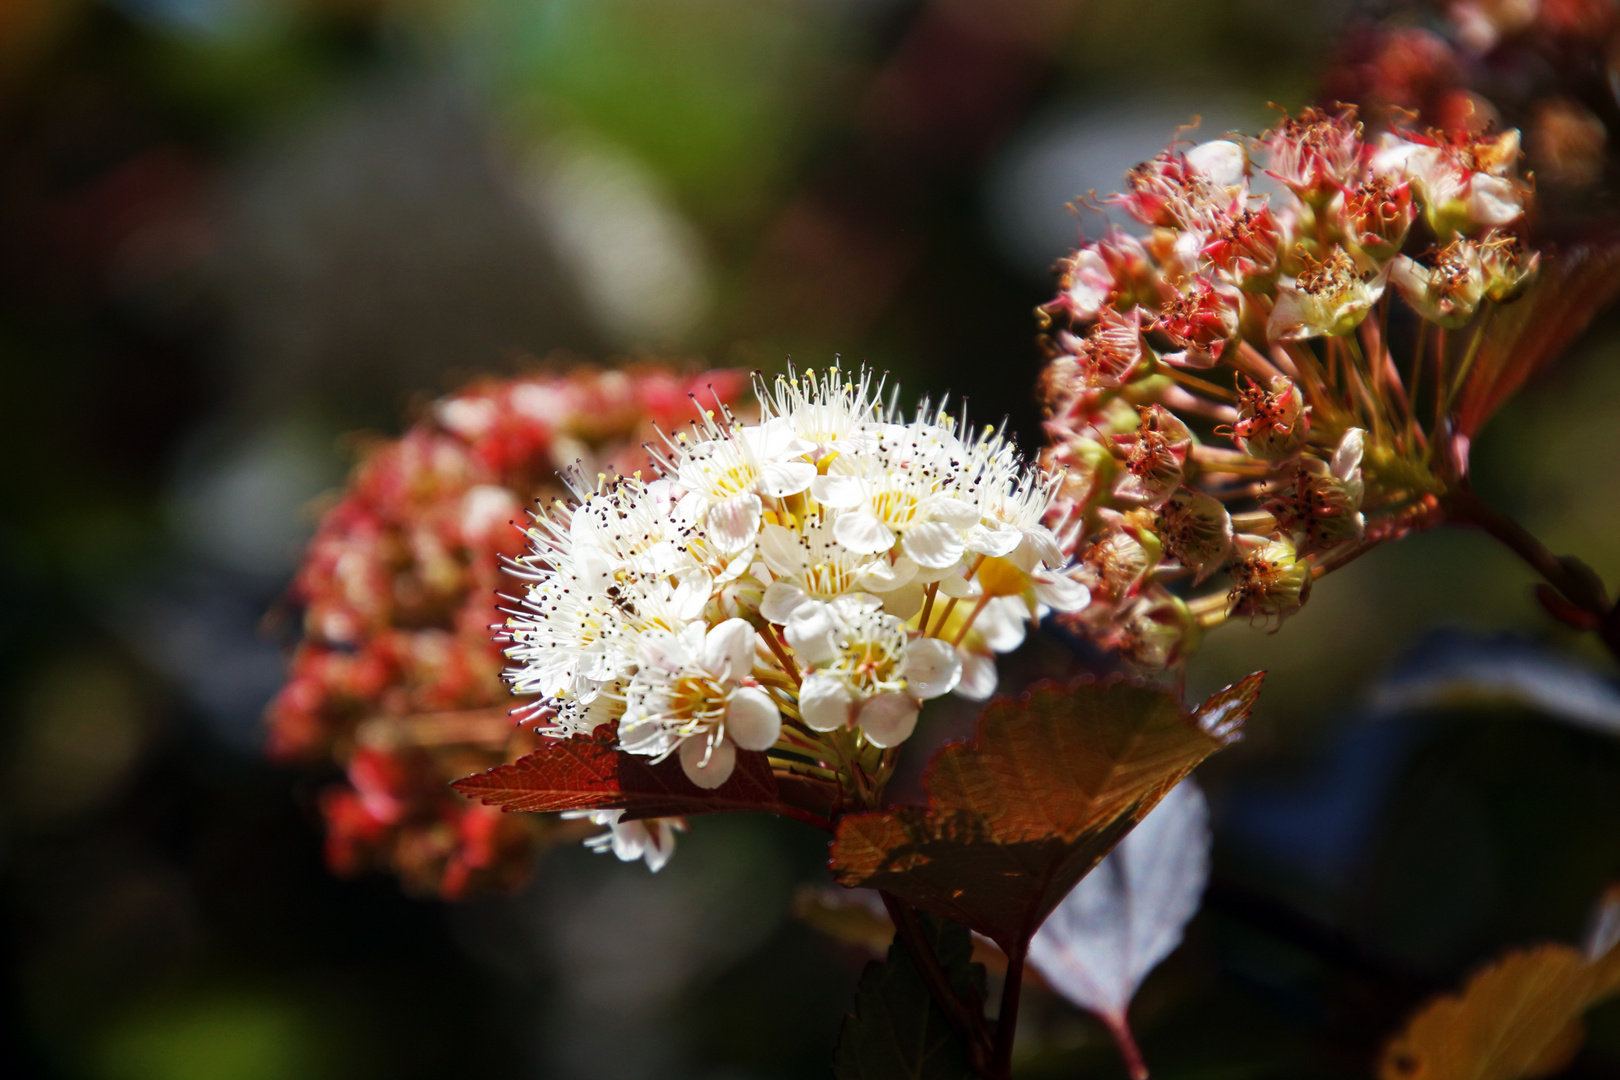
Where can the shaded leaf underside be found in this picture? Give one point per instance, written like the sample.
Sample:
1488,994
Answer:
897,1031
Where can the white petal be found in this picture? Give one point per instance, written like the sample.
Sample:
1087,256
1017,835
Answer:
780,601
838,492
1043,547
880,575
958,587
779,479
979,677
661,843
904,602
931,668
728,650
629,841
1492,200
1001,623
1347,458
862,533
714,772
692,593
934,544
953,512
752,719
993,539
781,550
811,630
1061,593
1220,160
889,719
824,703
732,524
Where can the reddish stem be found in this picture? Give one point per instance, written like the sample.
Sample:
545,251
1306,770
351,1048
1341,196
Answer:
1007,1020
1120,1029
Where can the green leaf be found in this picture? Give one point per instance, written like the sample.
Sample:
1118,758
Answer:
897,1031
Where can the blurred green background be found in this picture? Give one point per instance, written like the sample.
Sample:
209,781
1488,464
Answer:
232,231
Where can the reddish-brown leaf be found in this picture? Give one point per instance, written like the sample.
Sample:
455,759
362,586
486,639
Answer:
1051,783
1522,337
592,773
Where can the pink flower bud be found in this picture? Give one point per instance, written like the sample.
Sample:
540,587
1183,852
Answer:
1378,214
1315,154
1155,455
1270,580
1329,297
1448,292
1272,425
1201,322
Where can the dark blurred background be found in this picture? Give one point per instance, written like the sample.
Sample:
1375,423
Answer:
232,231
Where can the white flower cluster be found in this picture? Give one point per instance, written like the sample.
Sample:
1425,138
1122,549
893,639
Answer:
828,568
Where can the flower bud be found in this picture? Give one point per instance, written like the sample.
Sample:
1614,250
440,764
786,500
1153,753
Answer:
1120,558
1156,631
1508,268
1196,531
1378,214
1272,425
1315,154
1329,296
1111,352
1201,322
1155,455
1464,183
1322,507
1112,272
1270,580
1447,293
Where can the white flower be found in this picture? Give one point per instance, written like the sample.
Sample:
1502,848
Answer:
726,477
693,691
650,839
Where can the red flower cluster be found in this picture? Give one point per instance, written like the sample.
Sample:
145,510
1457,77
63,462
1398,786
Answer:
398,679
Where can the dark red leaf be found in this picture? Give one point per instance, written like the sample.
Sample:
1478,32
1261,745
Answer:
1051,783
592,773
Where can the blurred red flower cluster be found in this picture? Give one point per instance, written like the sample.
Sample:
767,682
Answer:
1546,67
398,678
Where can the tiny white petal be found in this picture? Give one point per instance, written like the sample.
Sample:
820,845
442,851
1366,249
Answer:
1061,593
732,524
880,575
953,512
838,492
716,770
779,547
979,677
728,650
781,600
752,719
934,544
862,533
810,631
1001,624
993,540
958,587
824,703
931,668
904,602
889,719
779,479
